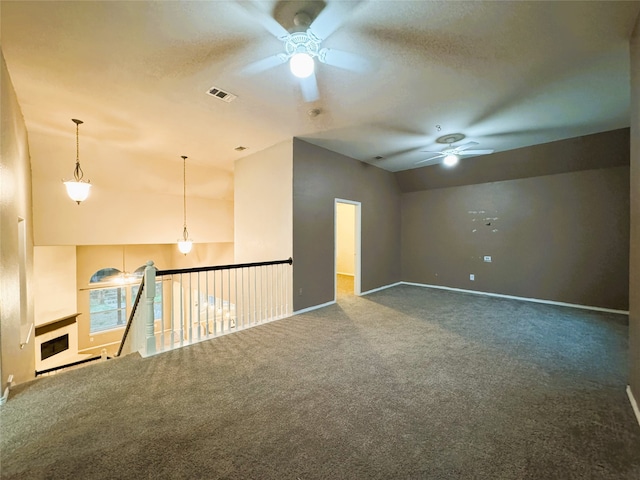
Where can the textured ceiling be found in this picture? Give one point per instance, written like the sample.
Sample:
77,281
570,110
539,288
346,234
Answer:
506,74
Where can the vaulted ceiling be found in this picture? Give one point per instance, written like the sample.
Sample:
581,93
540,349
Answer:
504,74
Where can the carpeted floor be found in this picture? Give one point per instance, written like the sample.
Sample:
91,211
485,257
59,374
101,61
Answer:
406,383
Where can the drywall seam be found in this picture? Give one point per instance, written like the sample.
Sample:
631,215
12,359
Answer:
524,299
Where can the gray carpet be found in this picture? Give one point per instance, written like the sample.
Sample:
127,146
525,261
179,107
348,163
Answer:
406,383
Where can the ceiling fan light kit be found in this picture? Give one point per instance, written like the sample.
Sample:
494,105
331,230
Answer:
302,47
450,160
301,65
451,155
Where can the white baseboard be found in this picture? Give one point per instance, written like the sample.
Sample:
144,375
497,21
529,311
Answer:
634,404
524,299
315,307
380,288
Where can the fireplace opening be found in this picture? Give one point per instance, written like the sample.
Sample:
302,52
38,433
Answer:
53,347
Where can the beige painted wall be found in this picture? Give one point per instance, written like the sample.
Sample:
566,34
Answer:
345,222
125,206
263,205
16,305
634,261
54,290
114,217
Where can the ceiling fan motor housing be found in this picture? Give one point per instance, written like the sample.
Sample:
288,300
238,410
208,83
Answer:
450,138
302,42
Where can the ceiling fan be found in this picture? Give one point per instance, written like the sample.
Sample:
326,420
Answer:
303,45
451,154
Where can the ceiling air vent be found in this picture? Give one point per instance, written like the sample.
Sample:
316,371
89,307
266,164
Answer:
221,94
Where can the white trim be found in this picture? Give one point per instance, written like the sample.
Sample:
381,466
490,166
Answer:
4,397
25,343
634,404
524,299
95,347
357,276
5,394
315,307
195,341
381,288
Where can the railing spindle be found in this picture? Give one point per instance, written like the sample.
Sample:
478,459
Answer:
182,313
241,303
172,307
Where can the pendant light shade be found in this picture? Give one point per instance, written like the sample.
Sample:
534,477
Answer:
184,244
450,160
77,189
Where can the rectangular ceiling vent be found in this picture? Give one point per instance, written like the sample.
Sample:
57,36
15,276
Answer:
221,94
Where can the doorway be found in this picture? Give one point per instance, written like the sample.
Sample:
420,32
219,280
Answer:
347,248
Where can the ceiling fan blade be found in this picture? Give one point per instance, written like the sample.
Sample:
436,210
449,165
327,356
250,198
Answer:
464,146
475,152
346,60
268,22
331,18
431,158
309,87
264,64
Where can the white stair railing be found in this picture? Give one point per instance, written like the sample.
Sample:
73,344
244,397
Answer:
185,306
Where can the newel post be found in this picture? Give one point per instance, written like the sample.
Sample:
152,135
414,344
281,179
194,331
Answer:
149,295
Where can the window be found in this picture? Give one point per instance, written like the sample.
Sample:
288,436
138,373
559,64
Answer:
109,306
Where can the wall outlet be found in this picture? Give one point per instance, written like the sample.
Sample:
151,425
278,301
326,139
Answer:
300,292
472,277
487,258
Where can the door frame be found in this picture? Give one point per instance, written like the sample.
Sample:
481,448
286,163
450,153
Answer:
357,286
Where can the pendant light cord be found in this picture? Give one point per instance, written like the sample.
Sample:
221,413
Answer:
185,234
77,172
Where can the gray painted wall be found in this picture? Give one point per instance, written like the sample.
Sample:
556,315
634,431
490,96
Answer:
320,176
600,150
634,264
558,237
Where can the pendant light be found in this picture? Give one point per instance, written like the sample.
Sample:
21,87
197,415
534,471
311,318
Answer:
185,244
78,190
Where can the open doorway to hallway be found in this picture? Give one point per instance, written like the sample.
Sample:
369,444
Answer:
347,248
